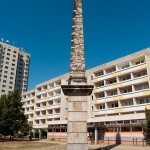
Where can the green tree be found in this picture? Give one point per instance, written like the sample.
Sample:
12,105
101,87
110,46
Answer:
12,118
146,126
25,129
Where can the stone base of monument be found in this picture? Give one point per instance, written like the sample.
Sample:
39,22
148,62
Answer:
77,115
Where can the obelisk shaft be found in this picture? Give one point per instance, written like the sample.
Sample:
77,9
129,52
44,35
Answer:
77,61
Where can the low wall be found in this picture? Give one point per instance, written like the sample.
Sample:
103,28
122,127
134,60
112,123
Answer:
114,137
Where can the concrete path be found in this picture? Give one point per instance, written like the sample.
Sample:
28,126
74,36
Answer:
63,145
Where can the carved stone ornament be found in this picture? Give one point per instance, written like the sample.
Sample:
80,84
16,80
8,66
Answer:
77,61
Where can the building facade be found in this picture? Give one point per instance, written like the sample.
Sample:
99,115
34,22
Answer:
115,109
14,68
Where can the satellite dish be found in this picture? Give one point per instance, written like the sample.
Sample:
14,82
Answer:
2,39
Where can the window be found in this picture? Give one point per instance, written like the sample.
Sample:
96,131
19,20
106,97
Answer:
91,77
14,56
11,78
113,93
10,82
13,60
142,87
6,67
12,73
125,66
111,70
13,64
143,101
127,90
5,76
92,108
58,92
101,84
112,81
9,49
4,81
3,91
15,52
100,74
12,68
5,71
139,62
25,82
114,105
10,87
102,106
126,78
18,85
128,103
102,95
8,54
7,58
44,95
3,85
7,62
142,74
58,101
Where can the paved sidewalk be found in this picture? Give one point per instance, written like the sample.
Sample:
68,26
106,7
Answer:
118,147
63,145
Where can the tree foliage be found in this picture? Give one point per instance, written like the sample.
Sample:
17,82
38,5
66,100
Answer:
146,126
12,118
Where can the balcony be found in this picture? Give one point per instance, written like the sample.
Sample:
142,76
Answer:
117,118
47,107
121,84
135,94
121,110
50,89
48,116
120,72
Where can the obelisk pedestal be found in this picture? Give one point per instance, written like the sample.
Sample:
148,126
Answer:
77,115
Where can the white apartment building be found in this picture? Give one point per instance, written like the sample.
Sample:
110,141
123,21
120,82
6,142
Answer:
121,94
14,68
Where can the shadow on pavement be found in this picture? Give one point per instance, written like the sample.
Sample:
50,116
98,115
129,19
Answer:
107,147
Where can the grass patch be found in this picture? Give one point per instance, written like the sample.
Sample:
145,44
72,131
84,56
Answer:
23,145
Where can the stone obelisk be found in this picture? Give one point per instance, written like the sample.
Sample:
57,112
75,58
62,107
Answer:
77,89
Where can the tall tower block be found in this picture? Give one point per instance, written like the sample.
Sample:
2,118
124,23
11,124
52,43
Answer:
77,89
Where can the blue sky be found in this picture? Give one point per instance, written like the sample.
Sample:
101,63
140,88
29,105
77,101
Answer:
112,29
